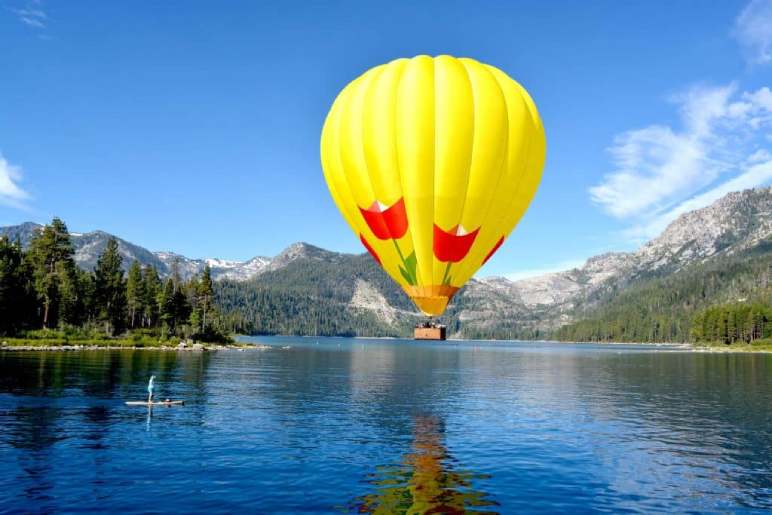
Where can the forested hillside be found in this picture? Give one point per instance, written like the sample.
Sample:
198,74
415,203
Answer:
664,309
43,294
313,296
715,257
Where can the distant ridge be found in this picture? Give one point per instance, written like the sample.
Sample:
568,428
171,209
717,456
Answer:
338,289
89,245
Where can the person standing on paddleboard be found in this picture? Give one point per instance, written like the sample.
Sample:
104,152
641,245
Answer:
150,390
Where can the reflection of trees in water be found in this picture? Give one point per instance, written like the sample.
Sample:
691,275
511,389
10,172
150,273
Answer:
97,373
48,391
75,377
425,481
34,430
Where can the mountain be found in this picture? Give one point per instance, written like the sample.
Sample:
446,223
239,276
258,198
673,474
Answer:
309,290
733,225
664,308
89,245
698,246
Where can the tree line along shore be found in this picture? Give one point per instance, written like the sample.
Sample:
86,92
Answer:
47,300
732,326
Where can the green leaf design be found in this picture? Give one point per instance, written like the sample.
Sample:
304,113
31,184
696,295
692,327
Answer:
446,275
411,263
407,276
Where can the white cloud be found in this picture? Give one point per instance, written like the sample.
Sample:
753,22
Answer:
10,192
536,272
759,156
32,14
722,145
753,29
653,164
754,176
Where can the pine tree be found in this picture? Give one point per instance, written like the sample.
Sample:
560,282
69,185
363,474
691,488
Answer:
110,289
180,307
151,289
88,296
16,292
50,255
135,294
166,306
70,307
749,328
731,325
205,295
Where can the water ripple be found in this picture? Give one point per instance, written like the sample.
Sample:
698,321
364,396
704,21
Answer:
388,426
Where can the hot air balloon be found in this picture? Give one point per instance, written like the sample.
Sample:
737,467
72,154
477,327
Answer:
432,161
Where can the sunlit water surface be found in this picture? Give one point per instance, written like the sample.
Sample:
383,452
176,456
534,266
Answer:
365,425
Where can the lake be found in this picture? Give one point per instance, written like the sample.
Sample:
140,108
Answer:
334,424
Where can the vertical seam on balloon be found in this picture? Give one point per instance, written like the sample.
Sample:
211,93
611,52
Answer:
505,160
336,130
533,135
526,147
430,280
366,87
434,163
344,111
471,153
433,118
352,213
394,105
412,226
395,129
372,82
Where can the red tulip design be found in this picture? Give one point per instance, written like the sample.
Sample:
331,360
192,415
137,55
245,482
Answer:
387,223
452,246
493,250
369,249
390,223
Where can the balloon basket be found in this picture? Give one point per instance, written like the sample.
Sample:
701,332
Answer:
429,331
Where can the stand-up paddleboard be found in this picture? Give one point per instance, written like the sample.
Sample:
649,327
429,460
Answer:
156,403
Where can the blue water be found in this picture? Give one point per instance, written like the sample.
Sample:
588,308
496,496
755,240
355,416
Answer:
366,425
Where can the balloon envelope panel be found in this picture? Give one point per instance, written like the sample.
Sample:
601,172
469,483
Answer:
432,161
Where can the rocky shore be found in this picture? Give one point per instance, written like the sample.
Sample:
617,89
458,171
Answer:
182,347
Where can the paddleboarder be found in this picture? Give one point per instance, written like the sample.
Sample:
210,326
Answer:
150,390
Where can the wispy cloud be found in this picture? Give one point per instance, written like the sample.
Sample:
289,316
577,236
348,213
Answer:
754,176
753,30
721,144
32,14
11,194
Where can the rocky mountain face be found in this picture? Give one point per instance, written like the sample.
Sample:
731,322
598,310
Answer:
535,306
733,224
350,285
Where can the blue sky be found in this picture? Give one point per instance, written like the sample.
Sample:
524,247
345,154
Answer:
194,126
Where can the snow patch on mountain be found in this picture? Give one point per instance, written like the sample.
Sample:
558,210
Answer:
88,246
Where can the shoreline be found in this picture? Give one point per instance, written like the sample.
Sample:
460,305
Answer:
73,348
21,345
49,346
675,346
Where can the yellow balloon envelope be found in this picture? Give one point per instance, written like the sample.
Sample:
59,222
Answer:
432,162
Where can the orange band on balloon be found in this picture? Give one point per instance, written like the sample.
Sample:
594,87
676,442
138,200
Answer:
433,299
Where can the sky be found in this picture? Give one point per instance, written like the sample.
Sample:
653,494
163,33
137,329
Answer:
194,127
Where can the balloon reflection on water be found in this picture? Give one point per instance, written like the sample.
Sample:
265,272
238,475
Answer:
427,480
